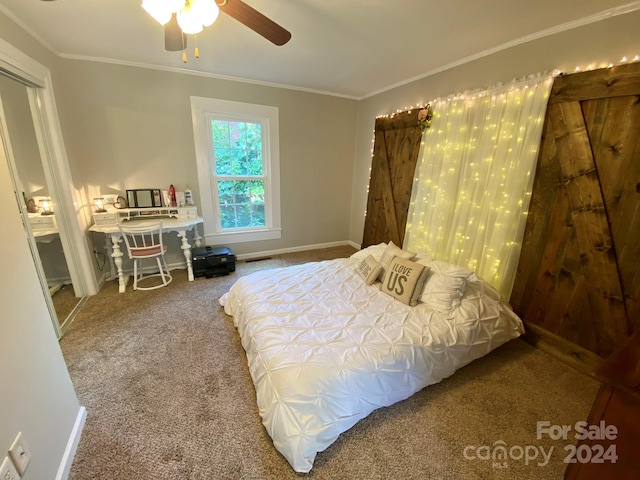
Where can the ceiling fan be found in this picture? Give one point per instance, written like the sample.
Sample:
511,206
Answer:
199,13
240,11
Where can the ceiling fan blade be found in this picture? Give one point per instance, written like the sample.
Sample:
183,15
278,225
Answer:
174,39
255,21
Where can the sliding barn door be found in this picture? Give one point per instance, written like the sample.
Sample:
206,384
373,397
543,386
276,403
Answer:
579,272
395,153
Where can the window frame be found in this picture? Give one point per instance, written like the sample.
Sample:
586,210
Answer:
203,110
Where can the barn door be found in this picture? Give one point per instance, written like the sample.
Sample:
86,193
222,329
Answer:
395,153
579,272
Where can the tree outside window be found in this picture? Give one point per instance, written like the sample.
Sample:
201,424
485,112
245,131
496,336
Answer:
237,148
237,158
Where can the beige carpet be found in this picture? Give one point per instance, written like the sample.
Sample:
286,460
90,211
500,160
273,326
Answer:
168,394
64,301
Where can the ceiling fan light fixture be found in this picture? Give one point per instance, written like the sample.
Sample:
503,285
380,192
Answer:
158,10
188,20
206,10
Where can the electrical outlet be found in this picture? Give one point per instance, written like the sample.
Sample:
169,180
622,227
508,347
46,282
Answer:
8,471
20,454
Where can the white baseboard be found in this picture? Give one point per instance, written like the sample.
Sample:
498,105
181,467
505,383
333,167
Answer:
72,445
317,246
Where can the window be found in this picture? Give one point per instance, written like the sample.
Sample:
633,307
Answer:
238,169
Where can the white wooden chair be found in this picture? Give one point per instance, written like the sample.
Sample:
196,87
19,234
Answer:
145,241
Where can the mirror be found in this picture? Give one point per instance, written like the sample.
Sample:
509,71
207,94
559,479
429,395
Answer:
37,200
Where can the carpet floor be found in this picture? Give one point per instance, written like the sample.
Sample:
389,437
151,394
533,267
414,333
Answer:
168,394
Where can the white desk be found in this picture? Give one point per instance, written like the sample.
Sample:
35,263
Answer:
180,226
45,236
44,227
45,230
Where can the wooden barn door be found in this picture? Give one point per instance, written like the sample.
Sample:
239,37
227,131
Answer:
395,153
579,272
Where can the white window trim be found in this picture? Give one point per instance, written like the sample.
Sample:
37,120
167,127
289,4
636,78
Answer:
201,107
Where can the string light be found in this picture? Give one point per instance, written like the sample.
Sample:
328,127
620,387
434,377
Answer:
475,95
505,209
436,214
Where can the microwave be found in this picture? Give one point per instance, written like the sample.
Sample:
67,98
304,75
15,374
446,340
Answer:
144,198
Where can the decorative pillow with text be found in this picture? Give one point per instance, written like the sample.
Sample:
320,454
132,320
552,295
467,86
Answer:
368,269
404,280
391,251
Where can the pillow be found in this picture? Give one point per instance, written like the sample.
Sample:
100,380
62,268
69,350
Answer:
421,255
404,280
392,251
444,285
374,250
368,269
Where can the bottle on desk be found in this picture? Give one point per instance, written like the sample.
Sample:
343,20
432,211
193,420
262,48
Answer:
188,196
172,196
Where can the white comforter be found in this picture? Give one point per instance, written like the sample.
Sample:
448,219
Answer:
325,350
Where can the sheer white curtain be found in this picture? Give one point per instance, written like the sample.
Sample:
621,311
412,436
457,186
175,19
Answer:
474,177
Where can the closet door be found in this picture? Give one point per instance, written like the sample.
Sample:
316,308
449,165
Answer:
395,153
578,277
24,159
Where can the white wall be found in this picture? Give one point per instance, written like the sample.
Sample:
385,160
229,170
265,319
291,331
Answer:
129,127
23,137
37,398
604,42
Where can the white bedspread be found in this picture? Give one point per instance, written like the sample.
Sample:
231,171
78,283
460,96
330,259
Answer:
325,350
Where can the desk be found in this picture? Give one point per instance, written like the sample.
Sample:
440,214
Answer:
45,236
45,230
180,226
44,227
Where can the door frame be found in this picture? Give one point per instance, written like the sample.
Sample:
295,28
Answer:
71,221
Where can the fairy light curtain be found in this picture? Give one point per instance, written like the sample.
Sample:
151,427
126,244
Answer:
474,177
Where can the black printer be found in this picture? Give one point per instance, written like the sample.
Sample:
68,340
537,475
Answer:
212,261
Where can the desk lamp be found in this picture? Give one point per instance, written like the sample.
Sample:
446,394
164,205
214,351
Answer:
98,202
45,207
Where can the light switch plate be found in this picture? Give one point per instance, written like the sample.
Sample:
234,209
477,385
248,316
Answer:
20,454
8,471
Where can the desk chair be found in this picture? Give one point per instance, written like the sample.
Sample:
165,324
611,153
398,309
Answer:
145,241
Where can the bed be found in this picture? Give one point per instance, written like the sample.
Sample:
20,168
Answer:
327,346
